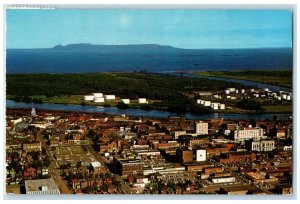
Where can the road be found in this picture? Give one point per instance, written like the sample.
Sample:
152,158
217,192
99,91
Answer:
54,171
125,188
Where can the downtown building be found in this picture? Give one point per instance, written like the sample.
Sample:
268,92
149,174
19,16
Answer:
202,128
240,136
260,146
41,186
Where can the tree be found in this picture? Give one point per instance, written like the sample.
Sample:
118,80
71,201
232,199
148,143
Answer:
122,105
78,164
47,161
249,104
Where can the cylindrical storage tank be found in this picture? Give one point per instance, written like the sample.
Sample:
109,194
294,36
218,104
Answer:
142,100
110,97
98,95
284,96
88,98
207,103
215,106
232,90
126,100
98,99
222,106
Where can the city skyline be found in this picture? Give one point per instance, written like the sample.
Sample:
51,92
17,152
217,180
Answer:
190,29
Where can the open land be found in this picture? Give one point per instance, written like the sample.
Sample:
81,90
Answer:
274,77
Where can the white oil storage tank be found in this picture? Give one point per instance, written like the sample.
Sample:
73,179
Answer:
89,98
142,100
110,97
98,99
222,106
126,100
207,103
98,95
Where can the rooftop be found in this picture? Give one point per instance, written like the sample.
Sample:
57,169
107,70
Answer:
36,185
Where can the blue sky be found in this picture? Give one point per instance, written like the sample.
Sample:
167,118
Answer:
178,28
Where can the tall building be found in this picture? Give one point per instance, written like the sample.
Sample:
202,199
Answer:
240,136
201,128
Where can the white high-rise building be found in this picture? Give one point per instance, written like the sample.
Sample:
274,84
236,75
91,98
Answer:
241,136
201,128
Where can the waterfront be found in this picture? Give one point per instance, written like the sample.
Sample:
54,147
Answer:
142,113
240,81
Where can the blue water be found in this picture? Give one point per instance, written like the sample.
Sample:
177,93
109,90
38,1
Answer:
68,61
142,113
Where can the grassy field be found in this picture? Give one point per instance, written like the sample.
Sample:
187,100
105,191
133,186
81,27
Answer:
275,77
280,108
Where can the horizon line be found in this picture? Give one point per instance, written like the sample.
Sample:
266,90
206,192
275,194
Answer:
220,48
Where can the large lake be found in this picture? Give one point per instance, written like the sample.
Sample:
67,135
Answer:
152,60
142,113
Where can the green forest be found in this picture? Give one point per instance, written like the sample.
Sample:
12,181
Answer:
167,89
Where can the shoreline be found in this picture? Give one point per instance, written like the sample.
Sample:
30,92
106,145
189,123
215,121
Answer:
212,74
166,109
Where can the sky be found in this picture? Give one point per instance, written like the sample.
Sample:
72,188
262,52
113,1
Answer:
191,29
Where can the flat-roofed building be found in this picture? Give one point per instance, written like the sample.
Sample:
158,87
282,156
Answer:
32,147
41,186
201,128
229,179
261,146
234,190
184,156
178,133
237,157
127,167
240,136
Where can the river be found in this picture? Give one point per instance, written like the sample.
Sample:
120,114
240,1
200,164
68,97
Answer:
140,112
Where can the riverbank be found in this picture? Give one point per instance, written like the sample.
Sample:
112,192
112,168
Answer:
142,113
78,100
167,92
273,77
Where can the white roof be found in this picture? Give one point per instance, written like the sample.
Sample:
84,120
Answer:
96,164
